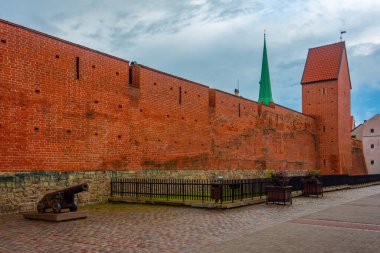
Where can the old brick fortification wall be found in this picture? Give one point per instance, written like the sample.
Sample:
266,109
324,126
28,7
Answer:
71,114
324,108
53,118
68,108
326,89
358,162
344,116
247,135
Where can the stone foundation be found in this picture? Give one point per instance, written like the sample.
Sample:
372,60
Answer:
20,192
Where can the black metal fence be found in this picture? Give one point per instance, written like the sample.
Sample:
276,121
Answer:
228,190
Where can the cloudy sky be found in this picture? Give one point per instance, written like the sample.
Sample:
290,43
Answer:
220,42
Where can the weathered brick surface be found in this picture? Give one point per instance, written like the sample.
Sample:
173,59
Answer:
329,103
50,120
324,108
174,125
344,116
65,107
248,135
358,163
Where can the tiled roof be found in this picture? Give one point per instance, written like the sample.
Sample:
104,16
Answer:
323,63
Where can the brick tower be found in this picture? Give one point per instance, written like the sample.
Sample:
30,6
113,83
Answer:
326,88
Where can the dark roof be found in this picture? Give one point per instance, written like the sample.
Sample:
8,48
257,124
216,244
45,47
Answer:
323,63
356,127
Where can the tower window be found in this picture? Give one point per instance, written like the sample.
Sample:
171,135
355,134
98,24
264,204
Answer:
324,128
77,67
372,145
130,76
324,162
372,130
372,162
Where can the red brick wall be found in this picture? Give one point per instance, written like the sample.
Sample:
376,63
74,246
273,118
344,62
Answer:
50,120
344,116
319,100
329,103
358,162
174,125
277,138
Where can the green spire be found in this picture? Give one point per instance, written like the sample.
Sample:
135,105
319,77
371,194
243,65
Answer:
265,95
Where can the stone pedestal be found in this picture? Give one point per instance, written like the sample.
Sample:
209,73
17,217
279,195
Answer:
56,216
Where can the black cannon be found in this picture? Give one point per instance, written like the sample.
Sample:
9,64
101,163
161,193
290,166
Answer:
61,199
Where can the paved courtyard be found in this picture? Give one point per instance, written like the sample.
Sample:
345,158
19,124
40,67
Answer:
350,215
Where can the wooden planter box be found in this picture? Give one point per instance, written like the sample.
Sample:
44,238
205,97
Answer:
279,195
315,189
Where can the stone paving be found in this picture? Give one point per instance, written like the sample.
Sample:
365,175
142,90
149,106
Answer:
145,228
346,228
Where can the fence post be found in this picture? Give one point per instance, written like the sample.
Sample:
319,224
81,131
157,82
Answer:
252,189
242,190
111,188
221,192
233,192
183,190
150,188
121,186
202,192
138,188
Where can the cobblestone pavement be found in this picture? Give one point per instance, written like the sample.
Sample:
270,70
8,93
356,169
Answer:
146,228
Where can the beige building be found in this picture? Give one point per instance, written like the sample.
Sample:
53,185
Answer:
369,134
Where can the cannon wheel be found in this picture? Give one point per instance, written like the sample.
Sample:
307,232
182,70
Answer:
41,207
73,208
56,207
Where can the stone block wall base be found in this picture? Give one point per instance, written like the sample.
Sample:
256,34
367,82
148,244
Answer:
21,191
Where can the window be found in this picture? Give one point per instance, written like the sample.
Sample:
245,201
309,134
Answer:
180,95
372,162
324,91
77,67
130,76
372,145
324,162
324,128
372,130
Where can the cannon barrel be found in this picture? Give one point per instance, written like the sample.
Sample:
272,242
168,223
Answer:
69,191
75,189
